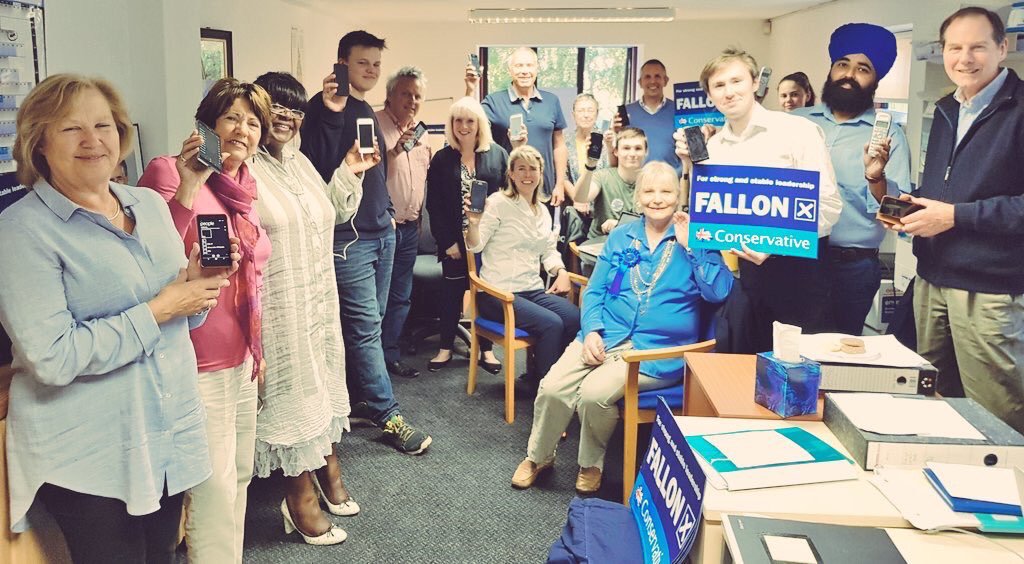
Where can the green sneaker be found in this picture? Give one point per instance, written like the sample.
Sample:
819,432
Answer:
404,437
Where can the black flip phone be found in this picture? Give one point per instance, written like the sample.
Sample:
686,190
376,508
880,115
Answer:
421,129
695,142
341,77
209,151
214,245
474,60
596,142
623,116
478,195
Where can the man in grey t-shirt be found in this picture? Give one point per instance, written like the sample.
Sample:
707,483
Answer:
611,189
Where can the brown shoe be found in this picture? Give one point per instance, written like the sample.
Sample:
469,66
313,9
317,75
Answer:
588,481
527,473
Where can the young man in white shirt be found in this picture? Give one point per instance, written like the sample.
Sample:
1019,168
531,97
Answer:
772,288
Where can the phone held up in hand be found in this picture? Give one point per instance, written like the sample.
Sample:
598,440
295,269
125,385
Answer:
762,83
478,195
623,115
421,129
365,133
596,142
341,77
214,245
879,132
893,210
515,126
209,151
696,144
474,60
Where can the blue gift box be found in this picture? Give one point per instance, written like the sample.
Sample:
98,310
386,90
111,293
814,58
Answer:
787,388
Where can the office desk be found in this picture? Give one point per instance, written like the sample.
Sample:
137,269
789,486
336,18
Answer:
722,385
851,502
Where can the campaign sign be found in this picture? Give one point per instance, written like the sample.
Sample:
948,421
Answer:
669,493
693,107
772,210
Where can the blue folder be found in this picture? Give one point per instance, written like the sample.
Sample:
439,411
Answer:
963,505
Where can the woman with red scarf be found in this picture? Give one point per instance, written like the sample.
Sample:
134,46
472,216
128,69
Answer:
228,346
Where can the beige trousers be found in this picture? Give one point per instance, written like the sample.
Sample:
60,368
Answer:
573,386
976,341
215,509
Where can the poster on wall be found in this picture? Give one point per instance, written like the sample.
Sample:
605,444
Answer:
298,52
217,60
694,107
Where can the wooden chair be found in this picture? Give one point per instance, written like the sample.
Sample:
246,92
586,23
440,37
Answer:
639,407
574,258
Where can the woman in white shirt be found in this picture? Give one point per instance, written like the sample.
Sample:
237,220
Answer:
514,238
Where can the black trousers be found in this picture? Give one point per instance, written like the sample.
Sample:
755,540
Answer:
786,289
99,529
454,284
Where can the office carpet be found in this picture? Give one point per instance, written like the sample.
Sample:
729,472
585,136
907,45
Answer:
453,504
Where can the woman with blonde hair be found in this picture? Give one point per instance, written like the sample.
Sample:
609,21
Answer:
514,238
471,155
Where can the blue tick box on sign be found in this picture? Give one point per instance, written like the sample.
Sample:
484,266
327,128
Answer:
787,388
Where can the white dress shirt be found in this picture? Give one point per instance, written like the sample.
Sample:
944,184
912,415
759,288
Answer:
781,140
513,240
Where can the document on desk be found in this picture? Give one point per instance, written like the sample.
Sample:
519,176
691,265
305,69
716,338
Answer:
879,350
890,415
759,448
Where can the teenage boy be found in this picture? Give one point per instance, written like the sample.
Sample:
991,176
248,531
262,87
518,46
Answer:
611,189
364,246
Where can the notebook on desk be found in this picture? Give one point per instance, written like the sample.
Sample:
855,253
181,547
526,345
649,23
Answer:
760,540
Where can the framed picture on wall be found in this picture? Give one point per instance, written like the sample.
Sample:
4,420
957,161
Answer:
215,48
134,163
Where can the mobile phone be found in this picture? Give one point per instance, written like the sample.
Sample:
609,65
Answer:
515,126
364,131
214,245
478,195
474,60
893,210
763,78
341,77
209,151
421,128
627,217
695,142
596,142
603,125
879,132
623,116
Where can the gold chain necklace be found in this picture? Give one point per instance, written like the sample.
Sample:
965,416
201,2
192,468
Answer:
641,287
117,213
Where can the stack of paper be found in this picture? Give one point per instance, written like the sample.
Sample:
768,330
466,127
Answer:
892,415
975,489
880,350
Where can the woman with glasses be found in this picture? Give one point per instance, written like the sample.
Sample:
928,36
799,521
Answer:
305,398
228,346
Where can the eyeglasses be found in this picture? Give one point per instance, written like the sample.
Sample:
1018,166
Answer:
279,110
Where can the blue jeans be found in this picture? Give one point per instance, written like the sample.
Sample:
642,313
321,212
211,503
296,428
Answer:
854,285
408,242
551,320
364,278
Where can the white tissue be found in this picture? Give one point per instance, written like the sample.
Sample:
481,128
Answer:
786,339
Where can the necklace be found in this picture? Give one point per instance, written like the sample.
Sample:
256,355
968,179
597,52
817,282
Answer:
642,287
116,213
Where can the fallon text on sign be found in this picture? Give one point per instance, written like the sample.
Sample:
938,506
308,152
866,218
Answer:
772,210
694,107
668,496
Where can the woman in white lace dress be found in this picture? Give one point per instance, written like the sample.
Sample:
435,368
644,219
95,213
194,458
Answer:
305,398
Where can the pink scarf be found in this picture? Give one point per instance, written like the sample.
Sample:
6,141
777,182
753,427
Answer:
238,197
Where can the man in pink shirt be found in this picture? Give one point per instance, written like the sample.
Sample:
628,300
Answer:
408,159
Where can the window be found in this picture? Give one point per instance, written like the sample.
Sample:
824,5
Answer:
607,72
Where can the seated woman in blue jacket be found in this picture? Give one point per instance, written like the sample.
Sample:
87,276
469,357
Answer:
645,293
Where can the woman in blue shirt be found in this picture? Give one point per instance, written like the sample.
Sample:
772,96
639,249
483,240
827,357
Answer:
105,425
645,293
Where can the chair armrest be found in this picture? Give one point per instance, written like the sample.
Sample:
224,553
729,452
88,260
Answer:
578,279
635,356
574,248
476,282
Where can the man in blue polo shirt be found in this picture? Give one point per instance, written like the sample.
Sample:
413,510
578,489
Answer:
542,116
861,55
655,114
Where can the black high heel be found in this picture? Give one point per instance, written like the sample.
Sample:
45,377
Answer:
492,367
434,366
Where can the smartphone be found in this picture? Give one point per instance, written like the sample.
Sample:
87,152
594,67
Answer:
893,210
214,245
695,142
421,129
603,125
515,126
596,142
623,116
474,60
762,83
478,195
209,151
364,131
879,132
627,217
341,77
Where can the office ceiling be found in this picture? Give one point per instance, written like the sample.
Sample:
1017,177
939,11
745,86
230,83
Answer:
457,10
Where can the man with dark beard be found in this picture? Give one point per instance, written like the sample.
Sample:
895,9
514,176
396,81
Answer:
861,55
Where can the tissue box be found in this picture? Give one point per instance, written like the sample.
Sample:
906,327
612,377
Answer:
787,388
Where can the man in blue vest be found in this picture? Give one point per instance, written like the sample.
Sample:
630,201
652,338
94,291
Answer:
655,114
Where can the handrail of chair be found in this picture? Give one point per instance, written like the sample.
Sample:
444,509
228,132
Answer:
578,278
491,289
667,352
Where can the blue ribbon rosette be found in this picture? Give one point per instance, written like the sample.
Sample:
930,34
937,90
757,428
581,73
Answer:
628,258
